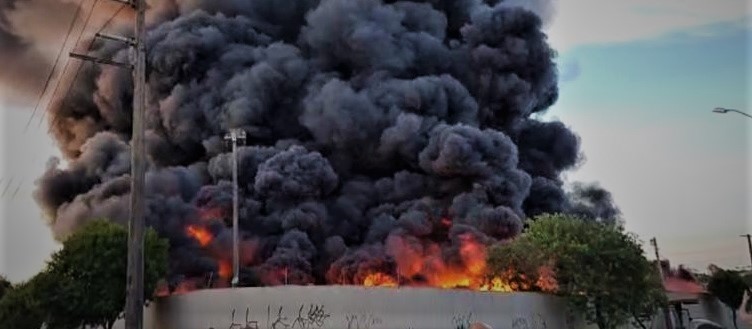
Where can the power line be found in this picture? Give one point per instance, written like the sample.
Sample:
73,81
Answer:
5,191
122,6
57,61
78,69
67,63
704,251
18,188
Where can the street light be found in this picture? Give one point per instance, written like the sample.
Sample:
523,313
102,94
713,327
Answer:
725,110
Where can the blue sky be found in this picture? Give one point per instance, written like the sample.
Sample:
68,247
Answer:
640,79
642,108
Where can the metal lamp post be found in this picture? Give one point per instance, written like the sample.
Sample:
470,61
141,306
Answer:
723,110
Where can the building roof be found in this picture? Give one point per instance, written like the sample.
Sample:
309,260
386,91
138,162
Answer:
683,286
680,285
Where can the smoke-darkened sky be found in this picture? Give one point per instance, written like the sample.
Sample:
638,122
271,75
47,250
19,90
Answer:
638,98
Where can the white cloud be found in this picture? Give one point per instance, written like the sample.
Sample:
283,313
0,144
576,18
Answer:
581,22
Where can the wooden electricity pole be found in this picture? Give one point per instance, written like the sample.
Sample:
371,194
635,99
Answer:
749,245
134,305
134,302
666,310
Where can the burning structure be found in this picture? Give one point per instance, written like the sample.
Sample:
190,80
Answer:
389,142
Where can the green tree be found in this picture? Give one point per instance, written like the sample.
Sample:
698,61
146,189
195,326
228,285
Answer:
728,287
89,275
20,307
5,286
518,263
599,268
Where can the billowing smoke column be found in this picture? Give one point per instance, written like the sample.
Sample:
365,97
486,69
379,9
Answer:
387,140
21,63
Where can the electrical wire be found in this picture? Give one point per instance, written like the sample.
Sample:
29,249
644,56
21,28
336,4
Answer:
78,69
57,61
5,191
67,63
18,188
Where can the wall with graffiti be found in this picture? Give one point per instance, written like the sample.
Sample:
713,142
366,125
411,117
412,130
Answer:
356,308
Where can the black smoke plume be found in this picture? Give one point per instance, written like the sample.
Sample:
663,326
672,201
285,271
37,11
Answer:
28,28
371,124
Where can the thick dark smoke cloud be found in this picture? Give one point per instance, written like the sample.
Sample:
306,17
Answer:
29,30
593,202
376,129
14,49
8,39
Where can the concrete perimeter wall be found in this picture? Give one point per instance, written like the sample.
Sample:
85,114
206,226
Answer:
353,307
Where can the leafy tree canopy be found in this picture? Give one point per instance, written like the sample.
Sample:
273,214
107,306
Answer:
20,307
599,268
5,286
95,260
728,287
84,283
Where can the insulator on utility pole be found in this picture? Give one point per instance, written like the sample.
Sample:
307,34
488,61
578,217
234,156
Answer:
234,136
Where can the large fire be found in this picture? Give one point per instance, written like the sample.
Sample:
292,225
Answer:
379,280
389,143
421,265
429,270
200,234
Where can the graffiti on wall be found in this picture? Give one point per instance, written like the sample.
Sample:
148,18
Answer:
535,321
363,320
462,320
315,316
305,317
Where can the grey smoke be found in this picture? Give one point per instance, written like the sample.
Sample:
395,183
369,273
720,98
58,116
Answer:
372,125
28,28
8,39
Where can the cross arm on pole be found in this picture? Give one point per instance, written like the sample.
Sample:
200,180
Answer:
100,60
132,4
129,41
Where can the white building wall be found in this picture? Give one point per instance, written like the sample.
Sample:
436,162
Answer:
355,308
350,307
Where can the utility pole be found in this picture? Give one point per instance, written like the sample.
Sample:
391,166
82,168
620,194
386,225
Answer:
134,303
666,314
234,136
749,245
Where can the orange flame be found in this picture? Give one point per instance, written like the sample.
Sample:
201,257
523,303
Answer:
200,234
473,255
418,263
425,264
496,284
225,269
379,280
547,279
186,287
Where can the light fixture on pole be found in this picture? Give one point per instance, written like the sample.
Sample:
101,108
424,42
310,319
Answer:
723,110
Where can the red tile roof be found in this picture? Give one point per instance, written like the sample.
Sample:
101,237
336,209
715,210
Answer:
673,284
